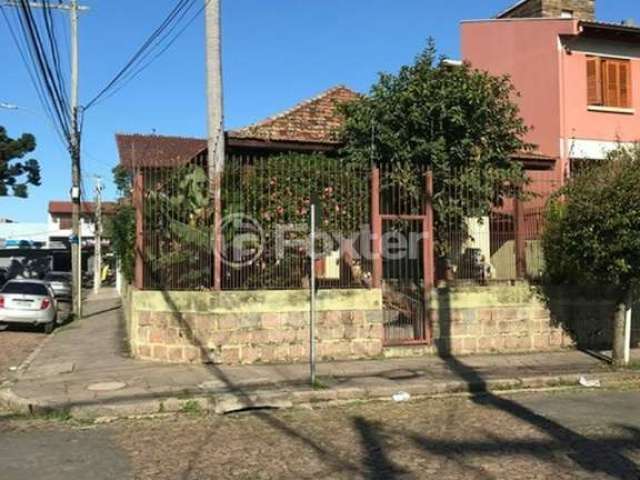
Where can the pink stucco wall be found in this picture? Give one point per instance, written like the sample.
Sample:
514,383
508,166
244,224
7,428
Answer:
604,126
552,82
526,50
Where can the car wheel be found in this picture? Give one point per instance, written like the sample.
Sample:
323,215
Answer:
48,327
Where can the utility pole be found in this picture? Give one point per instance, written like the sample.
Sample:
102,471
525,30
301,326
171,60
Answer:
74,148
97,255
216,146
76,193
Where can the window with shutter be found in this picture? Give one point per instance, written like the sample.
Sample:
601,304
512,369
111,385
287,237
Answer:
624,73
594,87
609,82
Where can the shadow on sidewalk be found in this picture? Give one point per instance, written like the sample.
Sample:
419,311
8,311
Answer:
339,462
101,312
595,456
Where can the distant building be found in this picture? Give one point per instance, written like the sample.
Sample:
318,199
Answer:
60,221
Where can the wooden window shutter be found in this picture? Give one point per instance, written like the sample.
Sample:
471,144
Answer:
611,83
594,83
624,73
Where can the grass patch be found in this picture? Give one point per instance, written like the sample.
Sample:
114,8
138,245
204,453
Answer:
634,365
319,385
191,407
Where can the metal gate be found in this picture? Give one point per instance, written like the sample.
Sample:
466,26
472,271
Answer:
402,225
405,319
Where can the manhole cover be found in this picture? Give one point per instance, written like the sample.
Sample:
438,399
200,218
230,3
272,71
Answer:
106,386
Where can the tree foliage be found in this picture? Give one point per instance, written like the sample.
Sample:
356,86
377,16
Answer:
121,227
278,190
592,234
123,179
179,212
123,238
17,174
460,123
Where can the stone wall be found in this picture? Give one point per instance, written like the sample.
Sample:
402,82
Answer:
521,318
273,326
253,327
582,9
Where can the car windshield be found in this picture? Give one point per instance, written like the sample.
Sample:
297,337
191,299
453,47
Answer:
25,288
57,277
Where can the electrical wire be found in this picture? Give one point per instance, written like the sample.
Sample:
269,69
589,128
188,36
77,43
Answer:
54,88
155,45
44,57
30,67
132,76
54,49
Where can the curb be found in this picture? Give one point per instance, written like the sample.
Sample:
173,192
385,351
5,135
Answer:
228,402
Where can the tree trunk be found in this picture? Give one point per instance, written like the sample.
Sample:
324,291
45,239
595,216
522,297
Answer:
617,357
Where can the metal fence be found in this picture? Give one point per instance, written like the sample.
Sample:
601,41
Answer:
266,204
476,232
175,225
494,235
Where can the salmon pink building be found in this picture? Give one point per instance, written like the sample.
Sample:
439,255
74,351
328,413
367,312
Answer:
578,79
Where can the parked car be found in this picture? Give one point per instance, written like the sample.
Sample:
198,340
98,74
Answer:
60,283
4,276
28,301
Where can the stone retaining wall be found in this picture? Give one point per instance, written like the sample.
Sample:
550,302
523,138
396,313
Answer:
273,326
253,327
518,317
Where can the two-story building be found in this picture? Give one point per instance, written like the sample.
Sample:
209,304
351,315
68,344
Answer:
578,79
60,222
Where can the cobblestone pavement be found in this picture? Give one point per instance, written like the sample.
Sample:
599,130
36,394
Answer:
17,343
592,435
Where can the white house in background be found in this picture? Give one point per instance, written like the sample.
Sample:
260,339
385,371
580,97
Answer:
60,223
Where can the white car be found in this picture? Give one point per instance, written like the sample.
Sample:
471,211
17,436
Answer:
28,301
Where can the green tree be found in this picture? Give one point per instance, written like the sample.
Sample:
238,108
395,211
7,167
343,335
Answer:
121,227
17,174
123,238
592,234
460,123
123,179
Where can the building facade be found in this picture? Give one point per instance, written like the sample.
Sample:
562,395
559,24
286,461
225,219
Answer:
578,79
60,221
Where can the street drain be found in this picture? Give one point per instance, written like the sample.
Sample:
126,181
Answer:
106,386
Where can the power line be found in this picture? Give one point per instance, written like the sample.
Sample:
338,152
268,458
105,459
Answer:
155,45
135,74
23,48
42,58
45,57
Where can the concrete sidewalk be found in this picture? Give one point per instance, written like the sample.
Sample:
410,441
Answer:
84,369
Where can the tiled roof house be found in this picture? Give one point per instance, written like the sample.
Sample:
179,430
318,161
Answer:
311,125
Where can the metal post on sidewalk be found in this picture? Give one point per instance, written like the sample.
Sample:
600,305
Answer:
627,335
312,301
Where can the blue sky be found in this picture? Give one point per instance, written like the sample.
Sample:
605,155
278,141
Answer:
276,53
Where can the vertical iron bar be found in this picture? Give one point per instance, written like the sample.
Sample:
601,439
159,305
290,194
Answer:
312,297
138,196
376,229
521,262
